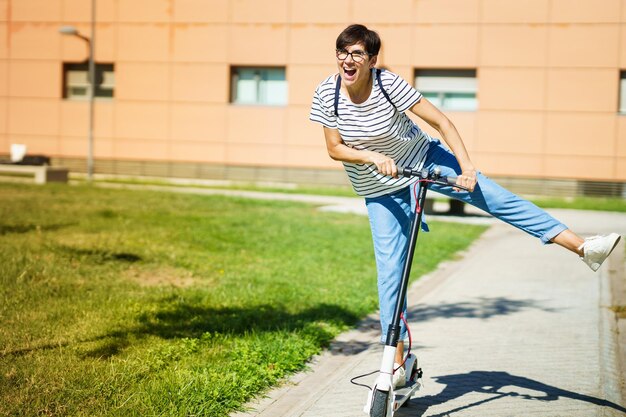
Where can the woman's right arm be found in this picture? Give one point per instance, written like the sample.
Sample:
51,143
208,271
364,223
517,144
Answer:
339,151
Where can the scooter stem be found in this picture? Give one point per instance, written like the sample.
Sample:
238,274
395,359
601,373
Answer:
393,333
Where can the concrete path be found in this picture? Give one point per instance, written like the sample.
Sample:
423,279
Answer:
354,205
513,329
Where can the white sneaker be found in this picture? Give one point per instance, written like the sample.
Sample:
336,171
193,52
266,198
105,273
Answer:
399,377
597,248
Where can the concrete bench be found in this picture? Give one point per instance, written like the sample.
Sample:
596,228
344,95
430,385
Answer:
455,208
41,173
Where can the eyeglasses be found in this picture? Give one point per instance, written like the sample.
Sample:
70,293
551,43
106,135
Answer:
357,56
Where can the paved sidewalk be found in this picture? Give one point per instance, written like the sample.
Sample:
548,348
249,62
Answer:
513,329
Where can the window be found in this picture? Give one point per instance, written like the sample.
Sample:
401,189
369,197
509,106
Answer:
76,84
622,92
266,86
448,89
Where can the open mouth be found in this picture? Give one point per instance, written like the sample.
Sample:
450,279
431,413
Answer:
349,72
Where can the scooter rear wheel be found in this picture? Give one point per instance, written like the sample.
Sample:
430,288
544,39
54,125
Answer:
415,373
379,404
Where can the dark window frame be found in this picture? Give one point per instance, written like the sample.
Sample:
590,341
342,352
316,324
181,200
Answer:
100,92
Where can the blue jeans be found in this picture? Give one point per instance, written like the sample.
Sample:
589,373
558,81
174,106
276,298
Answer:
390,218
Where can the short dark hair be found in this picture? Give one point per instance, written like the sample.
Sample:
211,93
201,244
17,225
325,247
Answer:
359,34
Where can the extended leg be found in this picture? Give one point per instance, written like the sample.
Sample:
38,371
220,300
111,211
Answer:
521,213
500,202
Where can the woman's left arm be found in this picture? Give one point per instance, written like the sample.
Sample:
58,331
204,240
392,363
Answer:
435,118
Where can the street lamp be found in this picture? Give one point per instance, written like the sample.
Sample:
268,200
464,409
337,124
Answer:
72,31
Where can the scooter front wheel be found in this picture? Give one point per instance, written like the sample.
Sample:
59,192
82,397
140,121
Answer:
380,402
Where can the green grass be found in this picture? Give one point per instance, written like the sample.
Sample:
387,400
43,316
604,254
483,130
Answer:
336,191
583,203
139,303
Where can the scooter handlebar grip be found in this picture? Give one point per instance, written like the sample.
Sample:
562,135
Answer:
410,172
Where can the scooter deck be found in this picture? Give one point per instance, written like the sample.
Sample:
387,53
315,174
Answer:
404,394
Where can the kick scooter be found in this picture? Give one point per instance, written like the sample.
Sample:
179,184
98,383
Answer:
383,400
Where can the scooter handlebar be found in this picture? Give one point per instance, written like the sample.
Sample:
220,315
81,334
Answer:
433,176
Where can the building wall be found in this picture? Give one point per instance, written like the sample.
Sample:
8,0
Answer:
548,76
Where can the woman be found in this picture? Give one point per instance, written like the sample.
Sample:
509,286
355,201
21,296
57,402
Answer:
362,112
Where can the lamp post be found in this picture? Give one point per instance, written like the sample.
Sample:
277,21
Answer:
72,31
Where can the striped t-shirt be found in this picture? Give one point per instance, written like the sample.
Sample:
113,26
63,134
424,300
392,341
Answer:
375,125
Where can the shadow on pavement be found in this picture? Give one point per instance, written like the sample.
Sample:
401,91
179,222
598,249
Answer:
481,308
500,385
